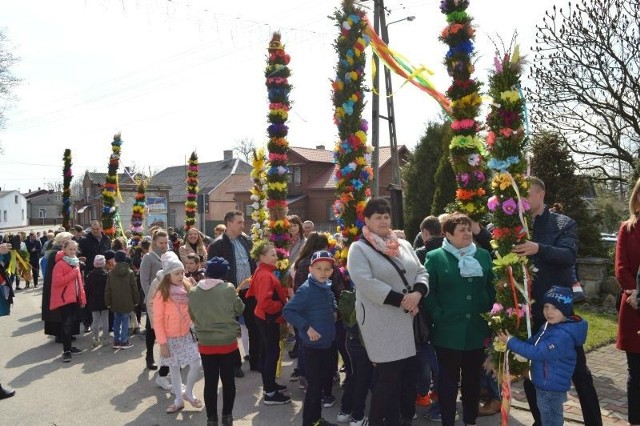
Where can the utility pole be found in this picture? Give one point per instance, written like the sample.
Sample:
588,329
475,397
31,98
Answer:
375,106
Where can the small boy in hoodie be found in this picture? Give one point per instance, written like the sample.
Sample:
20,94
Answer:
95,289
121,296
552,352
313,311
214,306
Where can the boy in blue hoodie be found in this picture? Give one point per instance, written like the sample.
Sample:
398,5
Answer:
313,311
552,352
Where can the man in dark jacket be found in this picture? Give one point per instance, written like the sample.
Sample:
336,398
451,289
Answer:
235,247
431,234
553,254
93,244
34,247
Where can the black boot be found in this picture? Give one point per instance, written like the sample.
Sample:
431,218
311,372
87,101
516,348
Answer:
6,392
227,420
151,364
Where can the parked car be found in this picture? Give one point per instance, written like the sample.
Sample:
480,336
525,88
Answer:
608,239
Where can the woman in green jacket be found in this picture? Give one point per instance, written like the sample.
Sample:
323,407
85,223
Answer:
461,289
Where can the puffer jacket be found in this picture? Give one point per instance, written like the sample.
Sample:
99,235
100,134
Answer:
66,284
552,351
314,306
557,238
170,318
121,294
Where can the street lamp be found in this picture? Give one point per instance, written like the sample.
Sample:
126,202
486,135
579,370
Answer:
407,18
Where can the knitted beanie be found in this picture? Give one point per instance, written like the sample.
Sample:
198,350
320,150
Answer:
170,263
99,261
217,267
561,298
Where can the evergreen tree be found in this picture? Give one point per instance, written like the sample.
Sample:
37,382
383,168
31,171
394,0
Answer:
445,179
419,174
552,162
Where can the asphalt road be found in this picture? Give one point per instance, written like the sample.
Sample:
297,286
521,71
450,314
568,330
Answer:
107,387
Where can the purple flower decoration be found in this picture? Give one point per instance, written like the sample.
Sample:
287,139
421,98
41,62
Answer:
479,175
525,204
364,125
509,206
463,178
493,203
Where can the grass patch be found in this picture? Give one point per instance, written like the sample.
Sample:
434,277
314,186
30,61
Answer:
603,328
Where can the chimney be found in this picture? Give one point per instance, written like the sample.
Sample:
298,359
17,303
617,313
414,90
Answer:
320,147
227,154
38,188
29,190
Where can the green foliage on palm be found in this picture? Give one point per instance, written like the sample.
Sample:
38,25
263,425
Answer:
419,173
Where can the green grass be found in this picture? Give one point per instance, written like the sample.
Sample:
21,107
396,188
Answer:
602,328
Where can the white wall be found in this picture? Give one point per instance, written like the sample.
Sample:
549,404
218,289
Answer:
13,214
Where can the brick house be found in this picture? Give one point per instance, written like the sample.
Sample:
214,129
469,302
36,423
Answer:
312,186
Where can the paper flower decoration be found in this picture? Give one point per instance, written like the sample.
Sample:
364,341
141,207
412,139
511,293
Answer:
110,189
191,204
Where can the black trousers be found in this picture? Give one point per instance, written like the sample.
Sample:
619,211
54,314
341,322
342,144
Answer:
358,380
319,363
69,314
254,333
633,387
394,394
467,365
150,339
582,381
270,351
219,366
35,270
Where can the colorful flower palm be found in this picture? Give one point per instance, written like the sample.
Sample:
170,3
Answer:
466,147
67,177
278,88
353,174
259,214
110,189
137,211
191,205
509,206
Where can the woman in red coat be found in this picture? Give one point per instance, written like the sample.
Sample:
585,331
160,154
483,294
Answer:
627,263
67,293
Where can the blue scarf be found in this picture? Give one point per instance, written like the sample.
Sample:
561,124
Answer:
469,266
73,261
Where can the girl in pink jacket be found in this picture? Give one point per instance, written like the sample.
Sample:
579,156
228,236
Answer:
67,294
171,323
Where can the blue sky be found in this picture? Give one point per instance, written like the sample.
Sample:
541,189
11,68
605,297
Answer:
180,75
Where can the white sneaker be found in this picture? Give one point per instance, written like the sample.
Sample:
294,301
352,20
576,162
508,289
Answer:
343,417
362,422
163,382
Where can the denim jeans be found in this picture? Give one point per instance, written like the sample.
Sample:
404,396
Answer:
120,327
358,382
427,368
488,382
550,406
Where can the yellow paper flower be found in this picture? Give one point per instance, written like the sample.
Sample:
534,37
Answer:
501,180
510,96
498,346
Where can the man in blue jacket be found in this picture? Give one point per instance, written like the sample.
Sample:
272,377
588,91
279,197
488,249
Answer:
552,251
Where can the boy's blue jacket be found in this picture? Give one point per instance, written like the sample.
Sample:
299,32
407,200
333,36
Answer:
552,352
313,305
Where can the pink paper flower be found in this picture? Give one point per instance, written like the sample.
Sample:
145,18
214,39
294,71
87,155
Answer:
493,203
496,309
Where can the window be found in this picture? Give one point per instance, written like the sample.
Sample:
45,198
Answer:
22,214
16,199
297,173
5,215
42,213
248,210
172,218
330,213
58,197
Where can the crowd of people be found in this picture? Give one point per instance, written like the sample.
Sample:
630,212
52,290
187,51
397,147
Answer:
206,298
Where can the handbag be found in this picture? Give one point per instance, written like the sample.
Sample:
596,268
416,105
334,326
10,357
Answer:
422,321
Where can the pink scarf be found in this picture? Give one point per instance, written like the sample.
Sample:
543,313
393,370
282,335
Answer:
388,245
178,293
